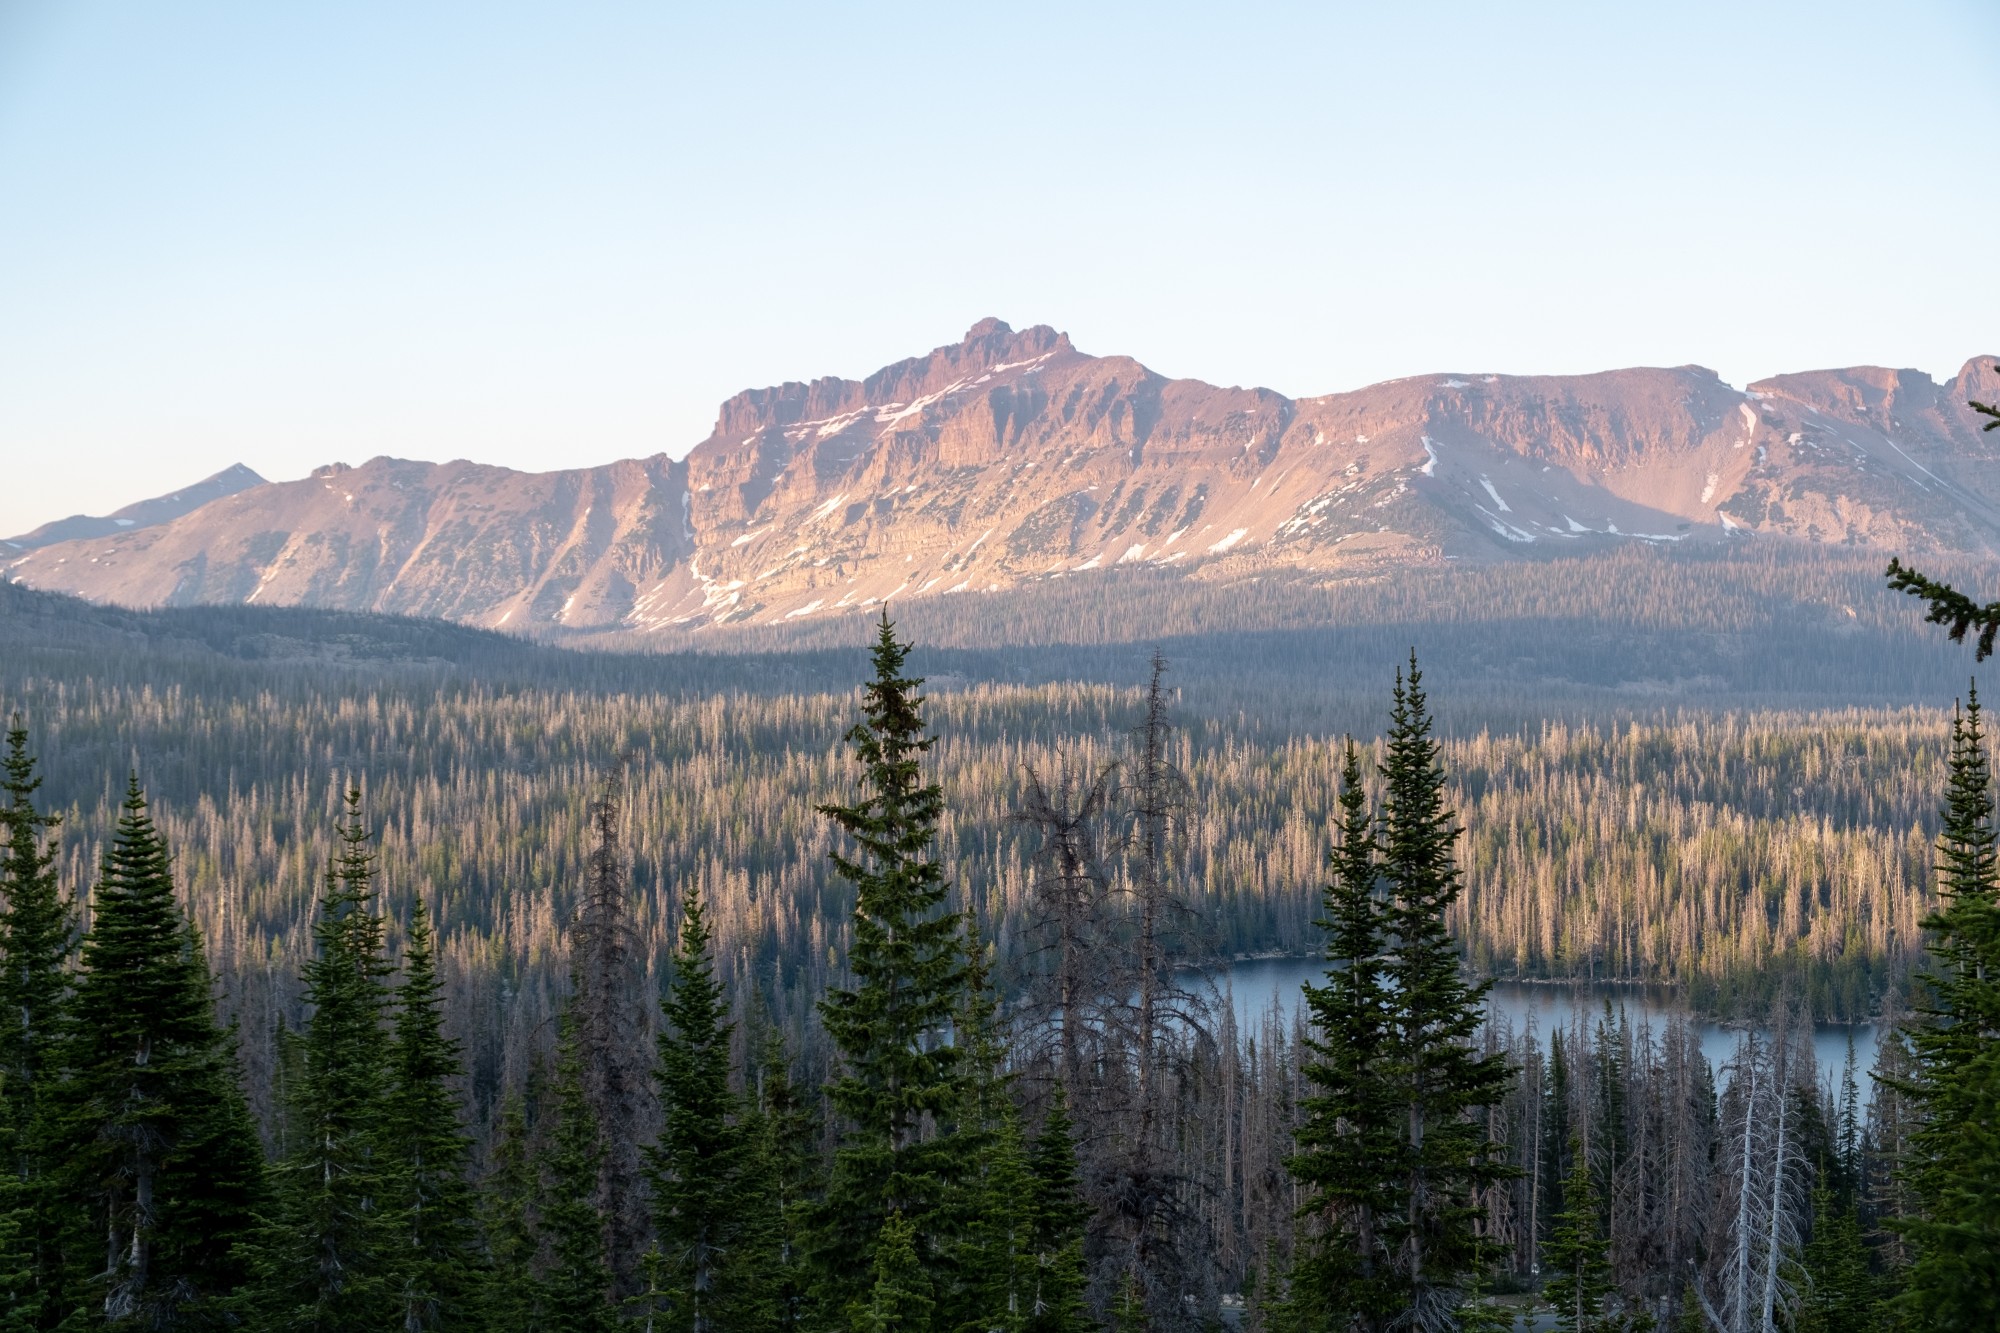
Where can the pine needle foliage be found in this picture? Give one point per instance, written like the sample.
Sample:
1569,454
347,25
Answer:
327,1262
37,937
901,1076
430,1199
1954,1154
154,1138
1446,1160
704,1203
1348,1141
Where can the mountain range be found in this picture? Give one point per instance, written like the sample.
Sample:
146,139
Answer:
1010,458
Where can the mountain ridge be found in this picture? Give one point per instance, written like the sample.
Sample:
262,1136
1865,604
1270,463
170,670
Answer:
1012,457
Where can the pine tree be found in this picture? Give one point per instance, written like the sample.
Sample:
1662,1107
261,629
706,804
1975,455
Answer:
328,1262
508,1196
37,935
1446,1159
996,1264
700,1166
1954,1166
429,1198
785,1184
575,1292
1058,1217
900,1300
155,1140
1347,1143
900,1072
1841,1291
1576,1252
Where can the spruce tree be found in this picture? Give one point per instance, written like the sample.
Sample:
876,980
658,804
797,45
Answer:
900,1073
900,1300
787,1182
1446,1160
429,1199
155,1141
701,1165
508,1198
328,1262
1577,1254
1841,1293
575,1291
37,936
1347,1157
1058,1214
1954,1165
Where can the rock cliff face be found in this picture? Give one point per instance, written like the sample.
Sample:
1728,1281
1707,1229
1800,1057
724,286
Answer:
1011,456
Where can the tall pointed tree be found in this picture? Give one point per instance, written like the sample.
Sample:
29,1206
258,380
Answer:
575,1292
1440,1079
155,1140
37,936
328,1262
700,1167
429,1198
1577,1255
1057,1217
509,1194
1347,1156
1954,1154
901,1074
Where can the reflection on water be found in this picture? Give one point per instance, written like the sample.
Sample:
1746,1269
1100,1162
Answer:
1257,984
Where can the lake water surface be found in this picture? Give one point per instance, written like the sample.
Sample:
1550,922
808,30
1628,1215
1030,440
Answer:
1255,984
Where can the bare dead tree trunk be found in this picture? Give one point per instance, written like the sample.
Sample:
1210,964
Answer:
610,1027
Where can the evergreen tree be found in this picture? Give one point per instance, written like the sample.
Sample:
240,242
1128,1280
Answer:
785,1184
1841,1291
701,1165
996,1268
1954,1163
1058,1217
508,1197
575,1291
1577,1253
429,1198
155,1141
1347,1142
37,935
328,1262
900,1301
901,1077
1446,1159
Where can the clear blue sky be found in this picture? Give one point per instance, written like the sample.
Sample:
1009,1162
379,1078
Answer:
554,234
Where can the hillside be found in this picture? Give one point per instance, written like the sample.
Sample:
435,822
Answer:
1011,458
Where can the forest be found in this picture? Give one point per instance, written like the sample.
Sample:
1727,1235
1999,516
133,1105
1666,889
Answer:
706,993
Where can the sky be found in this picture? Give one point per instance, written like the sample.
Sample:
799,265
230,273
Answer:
548,235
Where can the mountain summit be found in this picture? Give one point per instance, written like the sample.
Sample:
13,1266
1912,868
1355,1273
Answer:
1010,457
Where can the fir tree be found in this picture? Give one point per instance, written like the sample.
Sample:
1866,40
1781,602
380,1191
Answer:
900,1300
508,1196
900,1073
1841,1291
996,1268
1058,1217
155,1141
1954,1164
786,1183
37,935
327,1262
1347,1143
575,1291
429,1198
701,1164
1577,1252
1446,1160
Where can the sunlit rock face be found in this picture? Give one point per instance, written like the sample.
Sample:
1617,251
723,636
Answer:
1011,457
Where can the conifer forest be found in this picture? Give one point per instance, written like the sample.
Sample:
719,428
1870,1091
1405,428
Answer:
443,982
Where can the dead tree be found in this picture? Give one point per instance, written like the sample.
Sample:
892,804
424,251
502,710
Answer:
610,1035
1069,890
